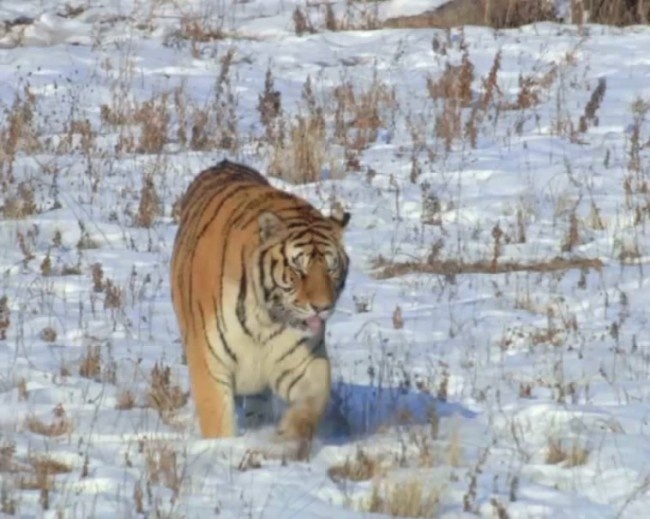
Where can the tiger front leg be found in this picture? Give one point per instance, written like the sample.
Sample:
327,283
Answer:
308,398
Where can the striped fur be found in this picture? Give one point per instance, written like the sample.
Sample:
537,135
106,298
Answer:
255,274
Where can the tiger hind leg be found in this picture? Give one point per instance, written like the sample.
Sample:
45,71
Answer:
213,394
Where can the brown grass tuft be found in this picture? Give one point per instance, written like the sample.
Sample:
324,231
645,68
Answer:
409,498
361,468
91,363
164,395
21,203
573,455
301,23
58,427
125,400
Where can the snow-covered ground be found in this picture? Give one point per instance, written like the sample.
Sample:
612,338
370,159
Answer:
510,380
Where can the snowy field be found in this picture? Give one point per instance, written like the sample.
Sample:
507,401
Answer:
492,350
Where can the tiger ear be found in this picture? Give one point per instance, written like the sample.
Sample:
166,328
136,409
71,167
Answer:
270,226
339,216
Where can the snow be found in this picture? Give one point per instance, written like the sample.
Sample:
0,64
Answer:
490,371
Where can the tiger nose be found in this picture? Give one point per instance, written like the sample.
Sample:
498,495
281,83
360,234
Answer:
321,308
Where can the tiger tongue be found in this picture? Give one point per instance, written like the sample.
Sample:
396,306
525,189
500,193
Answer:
314,323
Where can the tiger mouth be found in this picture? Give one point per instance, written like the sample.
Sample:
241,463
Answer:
313,324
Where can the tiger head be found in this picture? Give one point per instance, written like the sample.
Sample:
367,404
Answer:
303,267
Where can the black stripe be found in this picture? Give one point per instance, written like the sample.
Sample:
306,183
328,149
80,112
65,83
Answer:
226,194
277,332
222,337
207,339
279,380
241,298
307,360
298,235
217,379
301,342
299,377
276,195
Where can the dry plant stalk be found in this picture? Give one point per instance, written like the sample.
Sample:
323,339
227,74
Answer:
455,82
398,319
269,107
150,206
589,116
490,85
91,363
5,317
301,23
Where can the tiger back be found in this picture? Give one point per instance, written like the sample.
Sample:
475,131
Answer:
255,274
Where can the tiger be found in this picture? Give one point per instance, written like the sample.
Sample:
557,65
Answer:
255,274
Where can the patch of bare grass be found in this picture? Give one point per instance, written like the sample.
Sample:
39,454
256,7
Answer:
613,12
387,269
498,14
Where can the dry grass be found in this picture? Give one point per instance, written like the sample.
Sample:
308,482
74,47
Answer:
36,473
162,465
589,116
150,207
91,362
362,468
5,317
410,498
614,12
61,425
300,157
164,396
493,13
320,16
573,455
125,400
387,269
454,83
19,203
359,113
